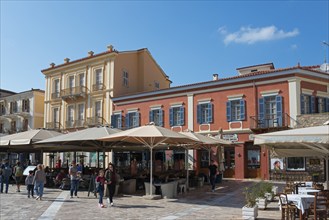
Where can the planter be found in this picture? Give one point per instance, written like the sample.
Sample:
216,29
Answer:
249,213
269,196
262,203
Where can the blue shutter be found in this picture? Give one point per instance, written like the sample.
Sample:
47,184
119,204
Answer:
182,116
243,109
113,121
210,113
199,120
326,104
151,117
279,110
127,121
161,117
137,121
119,124
261,112
171,117
312,109
228,111
302,104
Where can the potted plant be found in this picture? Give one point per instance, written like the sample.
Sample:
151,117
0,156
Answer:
268,189
250,210
261,199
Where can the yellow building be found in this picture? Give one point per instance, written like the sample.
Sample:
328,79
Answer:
79,93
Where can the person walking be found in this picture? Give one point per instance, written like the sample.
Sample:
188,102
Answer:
212,175
29,184
18,172
100,183
73,171
5,174
111,182
39,181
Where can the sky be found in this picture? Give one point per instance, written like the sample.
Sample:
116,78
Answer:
190,40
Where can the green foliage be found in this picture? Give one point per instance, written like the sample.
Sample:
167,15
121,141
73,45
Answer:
255,191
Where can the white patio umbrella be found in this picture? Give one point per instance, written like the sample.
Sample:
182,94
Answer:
22,140
152,137
301,142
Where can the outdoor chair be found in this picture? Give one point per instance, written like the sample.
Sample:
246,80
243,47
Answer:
320,207
288,210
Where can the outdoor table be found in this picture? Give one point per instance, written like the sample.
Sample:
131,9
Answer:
307,190
302,202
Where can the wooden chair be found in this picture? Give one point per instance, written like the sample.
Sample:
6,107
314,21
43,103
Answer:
288,209
320,207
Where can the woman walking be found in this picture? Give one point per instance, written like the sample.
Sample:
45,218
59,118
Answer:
39,181
111,182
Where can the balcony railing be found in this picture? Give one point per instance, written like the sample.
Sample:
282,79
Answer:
74,92
94,121
55,95
53,125
98,87
270,122
3,112
79,123
69,124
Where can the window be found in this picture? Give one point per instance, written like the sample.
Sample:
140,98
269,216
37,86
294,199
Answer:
157,85
25,124
176,116
125,78
132,120
156,116
81,115
253,158
307,104
2,109
98,109
204,161
270,111
235,110
1,128
205,113
55,115
98,77
13,107
322,104
13,127
71,82
56,89
26,105
70,116
116,120
295,163
82,79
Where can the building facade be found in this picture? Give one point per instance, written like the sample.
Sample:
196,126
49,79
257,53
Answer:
79,93
260,99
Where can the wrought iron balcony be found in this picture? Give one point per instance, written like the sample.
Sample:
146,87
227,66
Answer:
98,87
69,124
80,123
55,95
53,125
74,92
94,121
269,123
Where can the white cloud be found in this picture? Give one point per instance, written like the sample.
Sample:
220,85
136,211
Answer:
294,46
249,35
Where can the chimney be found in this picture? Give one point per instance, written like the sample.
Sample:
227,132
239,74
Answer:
52,65
215,77
110,48
66,60
90,53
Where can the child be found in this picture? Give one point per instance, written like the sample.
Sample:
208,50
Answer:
29,184
100,182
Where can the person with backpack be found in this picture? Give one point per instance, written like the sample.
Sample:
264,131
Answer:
111,182
6,172
18,172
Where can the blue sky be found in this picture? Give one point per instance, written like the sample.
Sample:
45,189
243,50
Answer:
191,40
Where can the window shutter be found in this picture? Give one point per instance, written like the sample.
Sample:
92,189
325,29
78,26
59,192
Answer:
171,117
113,121
127,121
312,104
261,110
210,111
279,110
119,124
228,111
182,115
137,121
302,104
199,114
151,117
161,117
326,104
243,109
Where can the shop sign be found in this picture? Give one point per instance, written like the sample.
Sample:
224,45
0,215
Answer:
231,137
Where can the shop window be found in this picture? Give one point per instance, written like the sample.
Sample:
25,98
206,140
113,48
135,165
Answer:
204,162
254,158
296,163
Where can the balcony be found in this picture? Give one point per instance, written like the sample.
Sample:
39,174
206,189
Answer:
79,123
53,125
74,92
94,121
69,124
269,123
55,95
98,87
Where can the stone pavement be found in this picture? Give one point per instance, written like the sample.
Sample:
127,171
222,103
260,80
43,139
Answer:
225,203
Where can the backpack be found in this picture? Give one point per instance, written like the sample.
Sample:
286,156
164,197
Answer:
18,171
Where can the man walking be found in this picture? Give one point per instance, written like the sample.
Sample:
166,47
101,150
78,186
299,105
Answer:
6,172
212,174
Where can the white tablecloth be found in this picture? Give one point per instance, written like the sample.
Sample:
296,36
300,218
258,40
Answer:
302,201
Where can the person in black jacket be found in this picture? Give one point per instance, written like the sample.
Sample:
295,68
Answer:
212,175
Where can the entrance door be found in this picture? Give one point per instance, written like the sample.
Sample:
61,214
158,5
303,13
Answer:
253,162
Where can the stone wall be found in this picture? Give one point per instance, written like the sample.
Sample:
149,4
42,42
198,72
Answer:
310,120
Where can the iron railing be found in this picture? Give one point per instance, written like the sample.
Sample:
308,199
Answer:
270,121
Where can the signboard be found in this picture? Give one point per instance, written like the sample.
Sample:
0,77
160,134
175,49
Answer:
231,137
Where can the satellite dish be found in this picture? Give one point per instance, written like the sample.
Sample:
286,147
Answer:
324,67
